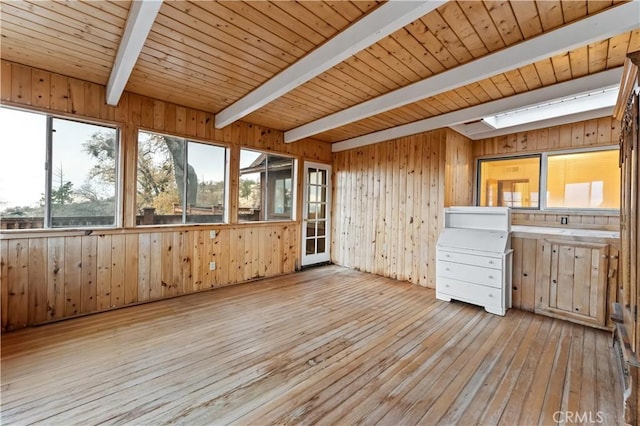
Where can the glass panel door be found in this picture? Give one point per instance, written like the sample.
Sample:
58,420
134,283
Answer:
316,213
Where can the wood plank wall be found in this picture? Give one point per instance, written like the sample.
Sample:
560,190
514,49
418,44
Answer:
388,200
57,274
61,276
591,133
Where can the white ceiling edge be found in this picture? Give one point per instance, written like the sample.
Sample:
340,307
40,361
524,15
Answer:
550,122
611,22
568,88
142,15
385,20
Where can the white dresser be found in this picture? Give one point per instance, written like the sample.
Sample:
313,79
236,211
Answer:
474,257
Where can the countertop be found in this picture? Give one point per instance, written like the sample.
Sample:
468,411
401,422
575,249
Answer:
522,231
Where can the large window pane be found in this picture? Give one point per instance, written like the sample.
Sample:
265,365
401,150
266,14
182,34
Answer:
80,187
22,173
584,180
266,187
179,181
83,165
280,194
509,182
206,184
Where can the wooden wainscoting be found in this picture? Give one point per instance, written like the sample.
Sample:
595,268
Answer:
327,345
60,276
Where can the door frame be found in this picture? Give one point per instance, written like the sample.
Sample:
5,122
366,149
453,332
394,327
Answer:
308,260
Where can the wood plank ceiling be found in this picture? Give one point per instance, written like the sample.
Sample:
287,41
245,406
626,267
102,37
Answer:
209,54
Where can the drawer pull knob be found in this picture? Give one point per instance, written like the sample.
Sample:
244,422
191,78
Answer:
446,255
490,277
446,269
490,295
491,262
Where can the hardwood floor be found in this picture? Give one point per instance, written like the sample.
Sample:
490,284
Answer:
328,345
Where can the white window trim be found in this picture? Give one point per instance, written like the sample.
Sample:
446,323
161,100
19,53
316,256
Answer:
544,155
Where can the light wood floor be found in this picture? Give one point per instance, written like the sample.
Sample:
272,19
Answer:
328,345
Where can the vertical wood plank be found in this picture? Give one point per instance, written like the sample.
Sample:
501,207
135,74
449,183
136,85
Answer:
41,89
566,264
187,264
92,100
103,277
55,278
197,247
130,281
18,283
223,252
543,274
5,85
59,93
73,275
37,280
89,291
144,266
553,285
518,255
21,84
156,264
76,97
527,288
4,282
582,280
118,256
167,263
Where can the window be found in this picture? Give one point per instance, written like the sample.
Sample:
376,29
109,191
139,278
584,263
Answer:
266,187
510,183
586,179
180,181
56,173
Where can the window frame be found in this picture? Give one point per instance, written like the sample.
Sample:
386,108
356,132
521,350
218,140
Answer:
267,205
186,140
48,184
542,203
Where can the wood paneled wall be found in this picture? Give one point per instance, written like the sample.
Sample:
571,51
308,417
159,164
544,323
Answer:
591,133
388,200
57,274
63,276
596,132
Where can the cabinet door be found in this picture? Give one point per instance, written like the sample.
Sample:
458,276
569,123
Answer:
575,282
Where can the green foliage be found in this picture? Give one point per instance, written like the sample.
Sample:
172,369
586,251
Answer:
62,195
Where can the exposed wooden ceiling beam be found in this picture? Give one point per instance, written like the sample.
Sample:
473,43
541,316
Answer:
603,25
386,19
141,16
568,88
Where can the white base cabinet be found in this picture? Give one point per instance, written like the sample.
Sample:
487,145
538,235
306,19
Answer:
474,258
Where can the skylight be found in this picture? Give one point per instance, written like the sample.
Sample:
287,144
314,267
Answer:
584,102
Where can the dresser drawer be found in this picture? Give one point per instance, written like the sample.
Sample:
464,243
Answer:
470,259
468,292
469,273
